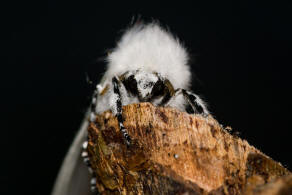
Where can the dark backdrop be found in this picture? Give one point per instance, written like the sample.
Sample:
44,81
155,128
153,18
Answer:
241,56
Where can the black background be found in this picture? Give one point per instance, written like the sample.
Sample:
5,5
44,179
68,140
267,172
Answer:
241,56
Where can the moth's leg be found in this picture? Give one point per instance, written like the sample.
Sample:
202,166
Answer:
93,187
93,106
197,104
92,118
84,155
116,107
163,90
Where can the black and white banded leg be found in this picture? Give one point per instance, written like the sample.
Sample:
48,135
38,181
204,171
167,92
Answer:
93,185
84,155
196,103
117,108
93,106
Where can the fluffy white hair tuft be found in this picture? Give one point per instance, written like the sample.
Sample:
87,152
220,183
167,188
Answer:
150,48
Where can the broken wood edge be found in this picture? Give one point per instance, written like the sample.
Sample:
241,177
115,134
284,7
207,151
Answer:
174,152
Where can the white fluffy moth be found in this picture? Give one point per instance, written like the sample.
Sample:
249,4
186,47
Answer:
148,64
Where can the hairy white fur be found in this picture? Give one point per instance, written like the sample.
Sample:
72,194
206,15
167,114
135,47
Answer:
153,49
142,50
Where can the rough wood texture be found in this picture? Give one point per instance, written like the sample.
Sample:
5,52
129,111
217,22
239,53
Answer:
176,153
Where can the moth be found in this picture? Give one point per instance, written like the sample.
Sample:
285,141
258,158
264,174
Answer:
149,64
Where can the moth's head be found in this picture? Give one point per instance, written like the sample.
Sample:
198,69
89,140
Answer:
145,83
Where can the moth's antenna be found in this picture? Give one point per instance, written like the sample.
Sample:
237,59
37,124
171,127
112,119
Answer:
87,79
136,20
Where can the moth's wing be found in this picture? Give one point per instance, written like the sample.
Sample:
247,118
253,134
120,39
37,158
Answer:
73,177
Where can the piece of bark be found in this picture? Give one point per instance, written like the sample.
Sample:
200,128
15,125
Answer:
173,152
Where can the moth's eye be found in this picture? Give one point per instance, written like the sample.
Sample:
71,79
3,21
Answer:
158,88
131,84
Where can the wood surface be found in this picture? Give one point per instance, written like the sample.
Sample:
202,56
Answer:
177,153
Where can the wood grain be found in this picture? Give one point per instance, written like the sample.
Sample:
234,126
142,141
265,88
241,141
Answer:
176,153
